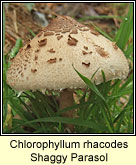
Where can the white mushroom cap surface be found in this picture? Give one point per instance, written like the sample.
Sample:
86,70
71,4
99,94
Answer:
47,61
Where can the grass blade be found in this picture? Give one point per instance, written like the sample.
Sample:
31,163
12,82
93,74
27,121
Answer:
93,87
16,48
102,32
78,122
126,28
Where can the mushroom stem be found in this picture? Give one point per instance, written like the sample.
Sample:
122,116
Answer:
66,100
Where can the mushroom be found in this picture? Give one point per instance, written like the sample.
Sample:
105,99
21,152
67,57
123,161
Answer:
46,62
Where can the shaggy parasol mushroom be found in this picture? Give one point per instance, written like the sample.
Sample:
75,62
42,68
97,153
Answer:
46,62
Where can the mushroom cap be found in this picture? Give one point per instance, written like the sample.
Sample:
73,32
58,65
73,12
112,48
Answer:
47,61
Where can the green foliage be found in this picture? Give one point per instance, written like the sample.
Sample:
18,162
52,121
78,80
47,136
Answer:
100,108
15,49
125,30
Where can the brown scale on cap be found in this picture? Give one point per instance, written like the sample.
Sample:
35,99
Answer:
22,75
48,33
28,46
74,31
18,68
57,30
51,51
90,52
25,66
114,45
80,26
84,52
65,24
72,41
53,60
26,54
101,51
86,64
35,58
40,34
19,71
95,32
53,29
26,60
33,70
65,30
42,42
59,37
57,34
85,47
37,50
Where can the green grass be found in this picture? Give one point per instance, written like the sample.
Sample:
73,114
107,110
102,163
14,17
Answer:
99,110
